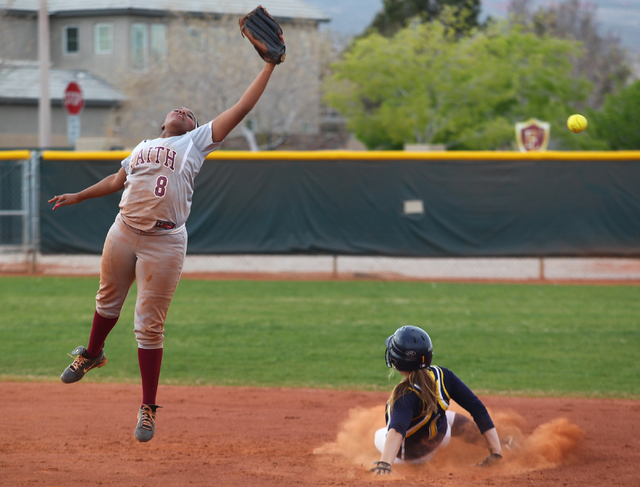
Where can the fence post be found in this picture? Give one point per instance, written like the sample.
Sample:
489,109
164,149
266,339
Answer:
33,215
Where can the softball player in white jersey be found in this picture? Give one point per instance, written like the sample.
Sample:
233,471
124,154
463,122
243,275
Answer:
148,240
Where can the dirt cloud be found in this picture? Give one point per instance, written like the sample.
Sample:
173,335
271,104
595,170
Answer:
547,445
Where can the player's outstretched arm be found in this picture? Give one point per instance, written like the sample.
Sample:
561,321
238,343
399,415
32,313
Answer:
495,449
229,119
392,445
493,441
109,185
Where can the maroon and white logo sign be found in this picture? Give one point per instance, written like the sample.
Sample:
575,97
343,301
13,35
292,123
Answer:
73,99
532,135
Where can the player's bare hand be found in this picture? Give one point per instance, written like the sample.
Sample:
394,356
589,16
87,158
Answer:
64,200
381,468
490,460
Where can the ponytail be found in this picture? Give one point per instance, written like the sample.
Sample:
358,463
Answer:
426,389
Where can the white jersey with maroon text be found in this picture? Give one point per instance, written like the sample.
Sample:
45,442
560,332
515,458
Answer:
160,180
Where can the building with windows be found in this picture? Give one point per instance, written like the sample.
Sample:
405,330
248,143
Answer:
98,43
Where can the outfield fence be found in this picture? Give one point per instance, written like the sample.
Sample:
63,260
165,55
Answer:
440,215
19,214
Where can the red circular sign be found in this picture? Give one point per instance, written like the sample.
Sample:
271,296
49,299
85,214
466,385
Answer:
73,99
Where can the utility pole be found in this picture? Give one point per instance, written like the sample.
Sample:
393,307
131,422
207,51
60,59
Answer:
44,104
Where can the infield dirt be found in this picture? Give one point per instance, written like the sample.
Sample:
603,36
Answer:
52,434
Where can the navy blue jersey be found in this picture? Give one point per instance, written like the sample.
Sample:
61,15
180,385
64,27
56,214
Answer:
423,433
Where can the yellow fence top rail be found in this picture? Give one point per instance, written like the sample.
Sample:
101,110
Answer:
432,155
54,155
15,154
366,155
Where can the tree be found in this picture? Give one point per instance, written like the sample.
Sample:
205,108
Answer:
425,85
208,67
396,14
619,120
604,63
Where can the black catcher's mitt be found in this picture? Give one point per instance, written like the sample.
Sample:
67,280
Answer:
265,34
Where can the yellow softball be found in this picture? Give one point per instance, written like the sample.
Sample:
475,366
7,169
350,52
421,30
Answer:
577,123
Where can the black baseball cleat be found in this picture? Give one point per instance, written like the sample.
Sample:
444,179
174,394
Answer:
81,365
146,422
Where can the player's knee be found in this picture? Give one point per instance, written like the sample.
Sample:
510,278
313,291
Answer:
380,438
109,308
149,337
465,429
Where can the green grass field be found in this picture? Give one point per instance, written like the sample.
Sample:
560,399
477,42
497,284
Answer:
499,338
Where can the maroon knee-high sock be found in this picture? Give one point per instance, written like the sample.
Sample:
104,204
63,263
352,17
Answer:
99,330
150,361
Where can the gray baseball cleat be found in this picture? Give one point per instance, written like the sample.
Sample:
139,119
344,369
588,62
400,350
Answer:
146,422
81,365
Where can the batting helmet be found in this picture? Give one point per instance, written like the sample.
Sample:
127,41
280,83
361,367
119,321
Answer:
409,348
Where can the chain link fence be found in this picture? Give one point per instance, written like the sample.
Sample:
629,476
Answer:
18,208
12,213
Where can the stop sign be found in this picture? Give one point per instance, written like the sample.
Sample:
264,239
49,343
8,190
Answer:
73,99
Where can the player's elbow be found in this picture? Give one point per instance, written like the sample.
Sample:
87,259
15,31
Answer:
116,185
244,110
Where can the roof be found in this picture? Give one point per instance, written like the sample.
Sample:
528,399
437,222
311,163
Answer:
288,9
20,82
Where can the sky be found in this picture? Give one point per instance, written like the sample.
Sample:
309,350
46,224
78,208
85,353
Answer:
622,17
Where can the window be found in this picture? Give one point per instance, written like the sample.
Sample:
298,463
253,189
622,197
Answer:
103,34
158,42
139,42
71,39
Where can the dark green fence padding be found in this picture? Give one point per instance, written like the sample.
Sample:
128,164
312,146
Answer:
544,205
